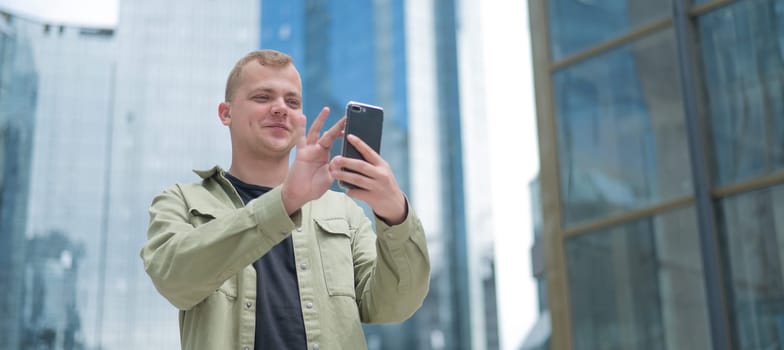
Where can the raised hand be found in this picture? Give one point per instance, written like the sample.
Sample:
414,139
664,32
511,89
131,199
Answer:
376,184
309,176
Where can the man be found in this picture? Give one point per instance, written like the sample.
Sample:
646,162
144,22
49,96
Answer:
264,256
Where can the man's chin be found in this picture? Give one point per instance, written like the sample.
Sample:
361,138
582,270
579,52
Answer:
280,150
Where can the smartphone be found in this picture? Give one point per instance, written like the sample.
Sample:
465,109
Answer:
364,121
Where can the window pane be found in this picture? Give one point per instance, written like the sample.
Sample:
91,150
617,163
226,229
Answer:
742,52
753,240
622,140
639,286
576,25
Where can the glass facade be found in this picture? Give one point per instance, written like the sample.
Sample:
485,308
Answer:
753,241
362,60
359,51
172,62
576,25
743,73
86,139
621,129
18,100
661,136
65,232
639,285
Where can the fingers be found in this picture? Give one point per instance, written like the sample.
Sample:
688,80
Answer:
360,173
299,128
375,185
326,140
315,129
360,181
332,134
370,155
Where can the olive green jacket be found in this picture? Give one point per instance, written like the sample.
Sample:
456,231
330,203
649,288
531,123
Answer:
202,242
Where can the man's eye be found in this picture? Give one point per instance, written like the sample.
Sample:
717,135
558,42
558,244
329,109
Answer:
294,103
260,98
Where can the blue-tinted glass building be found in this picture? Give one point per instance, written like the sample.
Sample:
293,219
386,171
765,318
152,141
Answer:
18,98
359,51
344,52
661,125
77,188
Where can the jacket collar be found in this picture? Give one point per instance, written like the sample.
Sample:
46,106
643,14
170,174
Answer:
208,173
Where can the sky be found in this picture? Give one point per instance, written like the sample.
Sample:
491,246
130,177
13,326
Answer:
97,13
511,126
511,116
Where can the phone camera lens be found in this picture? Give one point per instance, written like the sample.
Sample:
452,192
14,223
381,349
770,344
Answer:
356,108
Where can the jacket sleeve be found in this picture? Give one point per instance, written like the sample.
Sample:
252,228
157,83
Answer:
187,263
392,275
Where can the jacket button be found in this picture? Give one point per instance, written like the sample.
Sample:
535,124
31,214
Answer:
246,348
303,266
248,305
316,346
299,229
309,305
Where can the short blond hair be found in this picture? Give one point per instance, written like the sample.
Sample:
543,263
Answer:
269,58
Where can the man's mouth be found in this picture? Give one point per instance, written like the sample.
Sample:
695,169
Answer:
278,126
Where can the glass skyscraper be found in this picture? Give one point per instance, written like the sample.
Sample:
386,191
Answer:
18,98
110,106
405,57
173,59
65,206
661,130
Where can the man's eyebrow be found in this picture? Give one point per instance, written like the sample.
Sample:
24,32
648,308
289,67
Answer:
261,89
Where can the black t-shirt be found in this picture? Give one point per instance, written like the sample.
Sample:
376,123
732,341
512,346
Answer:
279,323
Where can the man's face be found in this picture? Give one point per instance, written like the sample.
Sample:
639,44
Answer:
262,111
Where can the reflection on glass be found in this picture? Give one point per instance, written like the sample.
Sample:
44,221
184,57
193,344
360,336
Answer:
753,241
51,318
621,138
742,53
576,25
639,286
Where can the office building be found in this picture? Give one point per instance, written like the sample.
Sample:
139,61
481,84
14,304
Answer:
410,58
173,59
661,130
112,105
66,183
18,97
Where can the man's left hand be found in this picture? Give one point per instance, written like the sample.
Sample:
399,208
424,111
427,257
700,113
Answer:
375,182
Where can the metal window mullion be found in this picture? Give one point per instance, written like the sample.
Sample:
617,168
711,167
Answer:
549,175
716,293
612,44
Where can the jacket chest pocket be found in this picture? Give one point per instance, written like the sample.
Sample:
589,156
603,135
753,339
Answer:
334,240
200,216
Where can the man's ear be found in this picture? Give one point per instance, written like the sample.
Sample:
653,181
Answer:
224,113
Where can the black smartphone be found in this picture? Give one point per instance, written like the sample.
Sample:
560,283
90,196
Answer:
364,121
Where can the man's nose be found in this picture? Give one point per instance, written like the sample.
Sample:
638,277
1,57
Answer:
279,108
